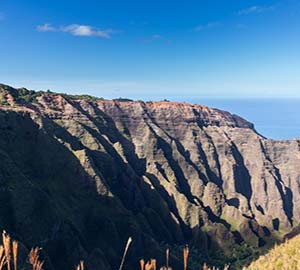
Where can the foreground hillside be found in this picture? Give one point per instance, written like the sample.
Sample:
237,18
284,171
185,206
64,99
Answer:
79,175
282,257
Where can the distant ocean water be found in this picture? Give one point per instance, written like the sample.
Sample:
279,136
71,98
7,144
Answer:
277,119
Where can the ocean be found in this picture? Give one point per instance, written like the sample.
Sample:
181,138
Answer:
277,119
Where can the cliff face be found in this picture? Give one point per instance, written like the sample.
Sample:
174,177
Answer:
80,175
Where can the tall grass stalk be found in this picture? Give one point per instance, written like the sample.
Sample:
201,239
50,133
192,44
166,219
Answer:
80,266
15,253
7,248
167,257
2,257
185,257
125,252
34,259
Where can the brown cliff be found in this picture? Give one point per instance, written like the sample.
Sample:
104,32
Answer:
98,171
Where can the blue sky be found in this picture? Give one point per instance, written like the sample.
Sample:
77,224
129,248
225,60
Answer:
153,49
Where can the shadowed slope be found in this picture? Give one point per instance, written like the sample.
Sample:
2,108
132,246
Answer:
98,171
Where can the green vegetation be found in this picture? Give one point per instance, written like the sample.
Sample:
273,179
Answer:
26,95
3,100
10,260
242,255
282,257
83,97
233,223
23,95
123,99
20,95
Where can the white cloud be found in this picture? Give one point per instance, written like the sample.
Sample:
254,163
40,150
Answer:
207,26
157,37
78,30
87,31
46,28
255,9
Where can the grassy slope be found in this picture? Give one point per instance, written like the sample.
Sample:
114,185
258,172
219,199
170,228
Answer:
282,257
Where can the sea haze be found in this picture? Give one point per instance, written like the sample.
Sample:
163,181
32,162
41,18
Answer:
273,118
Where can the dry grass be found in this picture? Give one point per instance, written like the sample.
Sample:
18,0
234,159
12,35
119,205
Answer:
282,257
142,264
9,255
167,258
125,252
9,258
2,257
80,266
7,250
185,257
34,260
15,253
151,265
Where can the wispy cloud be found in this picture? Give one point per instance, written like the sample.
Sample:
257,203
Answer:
157,37
78,30
207,26
46,28
255,9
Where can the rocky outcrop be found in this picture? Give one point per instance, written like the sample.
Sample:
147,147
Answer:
81,175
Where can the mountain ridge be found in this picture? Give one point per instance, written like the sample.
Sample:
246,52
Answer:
22,95
162,171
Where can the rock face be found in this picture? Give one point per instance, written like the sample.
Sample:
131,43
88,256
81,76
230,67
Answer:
80,175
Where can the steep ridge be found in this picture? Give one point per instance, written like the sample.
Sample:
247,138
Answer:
80,175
